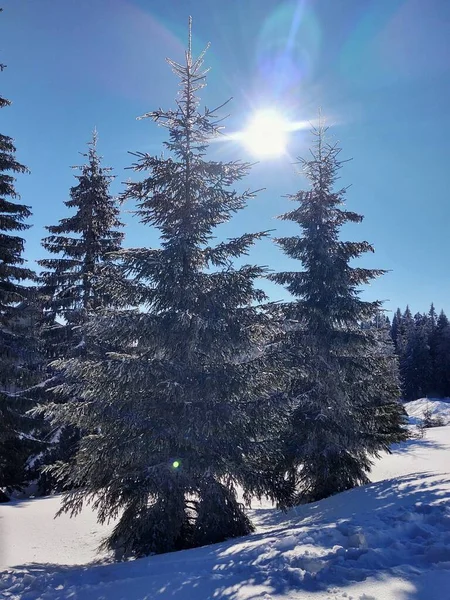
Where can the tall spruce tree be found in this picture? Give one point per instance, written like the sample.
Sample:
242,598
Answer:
16,353
74,284
345,391
178,410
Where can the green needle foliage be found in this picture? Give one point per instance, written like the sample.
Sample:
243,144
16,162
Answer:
345,389
179,405
74,284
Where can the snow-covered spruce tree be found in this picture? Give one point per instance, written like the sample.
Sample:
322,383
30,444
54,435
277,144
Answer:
346,407
389,411
16,351
73,284
179,412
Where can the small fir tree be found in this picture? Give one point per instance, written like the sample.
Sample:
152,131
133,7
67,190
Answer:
345,389
178,410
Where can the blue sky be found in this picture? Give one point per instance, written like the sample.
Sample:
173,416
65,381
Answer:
380,70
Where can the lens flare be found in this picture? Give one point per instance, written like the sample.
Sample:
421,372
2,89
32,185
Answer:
176,464
288,47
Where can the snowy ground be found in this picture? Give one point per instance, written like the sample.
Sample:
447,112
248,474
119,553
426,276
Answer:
386,541
437,408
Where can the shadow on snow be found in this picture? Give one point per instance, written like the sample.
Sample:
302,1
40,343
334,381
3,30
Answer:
274,562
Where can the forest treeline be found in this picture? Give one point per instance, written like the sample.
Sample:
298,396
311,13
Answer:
422,344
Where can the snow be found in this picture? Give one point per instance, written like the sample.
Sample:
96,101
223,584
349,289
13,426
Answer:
438,408
389,540
29,533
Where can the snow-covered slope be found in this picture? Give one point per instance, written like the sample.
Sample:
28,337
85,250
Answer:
437,408
386,541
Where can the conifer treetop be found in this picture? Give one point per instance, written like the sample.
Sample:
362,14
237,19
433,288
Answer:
185,195
324,256
82,240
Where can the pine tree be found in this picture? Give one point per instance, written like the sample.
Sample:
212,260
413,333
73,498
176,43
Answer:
396,327
423,348
432,322
178,410
406,325
432,317
345,390
404,332
16,370
424,325
74,284
442,348
415,358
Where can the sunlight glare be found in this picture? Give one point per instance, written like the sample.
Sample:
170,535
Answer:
266,134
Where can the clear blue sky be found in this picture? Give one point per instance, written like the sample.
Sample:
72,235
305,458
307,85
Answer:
380,69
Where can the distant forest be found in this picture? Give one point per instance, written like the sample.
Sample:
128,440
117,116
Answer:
422,344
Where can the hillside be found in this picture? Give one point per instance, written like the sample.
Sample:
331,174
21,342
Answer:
386,541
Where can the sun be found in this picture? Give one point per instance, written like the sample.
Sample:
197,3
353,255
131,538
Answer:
266,134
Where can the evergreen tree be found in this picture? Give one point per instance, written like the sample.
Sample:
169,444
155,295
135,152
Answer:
178,409
405,330
345,390
74,284
432,322
16,356
432,317
442,349
415,359
396,328
423,349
